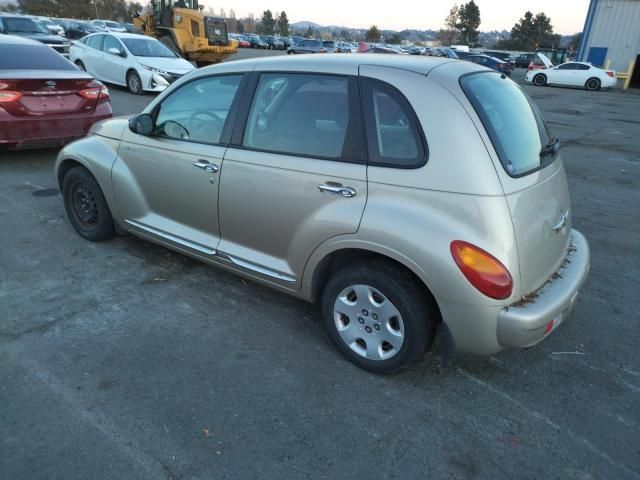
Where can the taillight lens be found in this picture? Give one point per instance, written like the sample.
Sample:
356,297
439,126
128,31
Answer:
95,93
482,269
610,74
8,97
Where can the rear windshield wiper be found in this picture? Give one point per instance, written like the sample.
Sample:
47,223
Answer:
550,148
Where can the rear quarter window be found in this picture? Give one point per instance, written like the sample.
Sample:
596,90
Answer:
512,121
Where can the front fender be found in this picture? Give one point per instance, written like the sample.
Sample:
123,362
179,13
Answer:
97,154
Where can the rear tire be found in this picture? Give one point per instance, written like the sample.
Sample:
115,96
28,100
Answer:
80,65
134,84
86,207
540,80
593,84
364,305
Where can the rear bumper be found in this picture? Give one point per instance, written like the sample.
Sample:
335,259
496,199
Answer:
29,132
530,320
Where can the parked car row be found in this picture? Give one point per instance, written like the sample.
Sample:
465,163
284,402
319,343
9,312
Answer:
30,27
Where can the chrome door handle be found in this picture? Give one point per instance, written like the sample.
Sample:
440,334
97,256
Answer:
209,167
347,192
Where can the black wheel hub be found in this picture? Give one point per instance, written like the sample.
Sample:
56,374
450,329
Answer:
84,205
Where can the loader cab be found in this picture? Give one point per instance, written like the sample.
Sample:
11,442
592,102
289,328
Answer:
163,10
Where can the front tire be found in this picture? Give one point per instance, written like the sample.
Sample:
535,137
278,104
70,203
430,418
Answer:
134,83
593,84
86,206
379,316
540,80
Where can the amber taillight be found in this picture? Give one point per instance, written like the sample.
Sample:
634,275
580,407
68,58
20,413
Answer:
482,269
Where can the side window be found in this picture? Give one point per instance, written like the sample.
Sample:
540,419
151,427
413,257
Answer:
394,137
111,42
95,41
197,111
299,114
583,67
567,66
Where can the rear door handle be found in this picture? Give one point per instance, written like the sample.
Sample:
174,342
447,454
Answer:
209,167
346,192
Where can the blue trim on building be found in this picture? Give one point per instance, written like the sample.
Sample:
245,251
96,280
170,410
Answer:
586,31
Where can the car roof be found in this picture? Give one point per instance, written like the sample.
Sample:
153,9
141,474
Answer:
124,35
18,40
337,63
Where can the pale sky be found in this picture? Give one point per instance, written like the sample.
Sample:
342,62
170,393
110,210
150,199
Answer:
567,16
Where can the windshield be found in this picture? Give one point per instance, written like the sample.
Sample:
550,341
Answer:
512,120
113,24
143,47
24,25
329,44
46,21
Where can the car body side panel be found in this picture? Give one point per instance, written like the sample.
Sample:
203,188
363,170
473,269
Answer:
416,227
272,213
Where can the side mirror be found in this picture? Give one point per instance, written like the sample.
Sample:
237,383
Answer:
114,51
141,124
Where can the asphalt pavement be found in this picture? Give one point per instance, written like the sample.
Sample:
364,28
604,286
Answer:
126,360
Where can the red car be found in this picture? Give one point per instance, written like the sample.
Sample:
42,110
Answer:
45,100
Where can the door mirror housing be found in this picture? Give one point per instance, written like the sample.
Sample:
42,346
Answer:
115,51
141,124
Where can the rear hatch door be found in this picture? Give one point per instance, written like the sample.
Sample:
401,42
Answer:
528,163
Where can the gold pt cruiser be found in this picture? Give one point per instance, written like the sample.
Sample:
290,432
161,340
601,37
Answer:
404,194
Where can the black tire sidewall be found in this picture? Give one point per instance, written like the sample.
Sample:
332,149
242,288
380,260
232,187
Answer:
104,227
591,80
536,77
417,309
129,75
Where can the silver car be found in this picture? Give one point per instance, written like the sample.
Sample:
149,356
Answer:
403,194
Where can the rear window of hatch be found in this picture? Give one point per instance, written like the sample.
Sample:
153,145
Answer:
512,121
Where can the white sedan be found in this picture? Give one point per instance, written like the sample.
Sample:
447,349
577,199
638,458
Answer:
572,74
135,61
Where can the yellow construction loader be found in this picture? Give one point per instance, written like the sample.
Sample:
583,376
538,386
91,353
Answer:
182,27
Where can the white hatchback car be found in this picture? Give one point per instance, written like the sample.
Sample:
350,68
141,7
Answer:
135,61
572,74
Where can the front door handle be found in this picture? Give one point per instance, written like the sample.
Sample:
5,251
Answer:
346,192
209,167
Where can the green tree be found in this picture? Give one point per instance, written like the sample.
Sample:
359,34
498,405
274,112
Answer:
232,22
283,24
267,23
574,43
395,39
448,35
309,32
373,34
530,32
468,23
